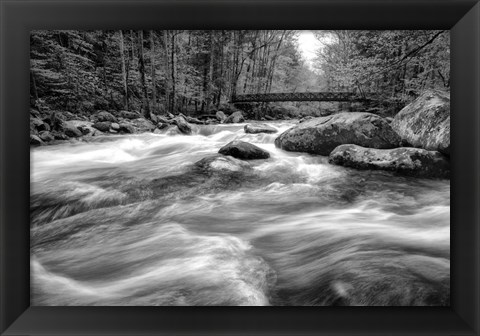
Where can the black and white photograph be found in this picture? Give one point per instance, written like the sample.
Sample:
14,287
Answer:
239,168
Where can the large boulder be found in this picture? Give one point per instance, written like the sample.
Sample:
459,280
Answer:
220,116
142,125
425,123
126,128
235,118
103,126
105,116
221,163
404,160
182,125
321,135
259,128
244,150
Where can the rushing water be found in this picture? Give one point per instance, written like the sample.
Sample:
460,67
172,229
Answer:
126,220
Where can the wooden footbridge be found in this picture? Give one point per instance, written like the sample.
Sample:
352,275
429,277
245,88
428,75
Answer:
299,96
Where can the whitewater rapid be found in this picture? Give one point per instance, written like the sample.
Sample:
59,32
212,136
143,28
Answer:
126,220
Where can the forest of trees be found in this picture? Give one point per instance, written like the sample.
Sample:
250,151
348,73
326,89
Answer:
394,65
198,71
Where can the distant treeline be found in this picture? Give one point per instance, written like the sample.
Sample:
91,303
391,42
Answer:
198,71
159,71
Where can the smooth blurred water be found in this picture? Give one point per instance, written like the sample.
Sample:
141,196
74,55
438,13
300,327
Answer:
127,220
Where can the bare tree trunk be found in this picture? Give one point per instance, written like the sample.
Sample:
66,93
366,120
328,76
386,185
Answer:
124,73
141,61
166,71
172,52
152,64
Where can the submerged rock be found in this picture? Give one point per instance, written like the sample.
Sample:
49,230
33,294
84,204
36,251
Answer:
235,118
218,162
404,160
244,150
425,123
322,135
259,128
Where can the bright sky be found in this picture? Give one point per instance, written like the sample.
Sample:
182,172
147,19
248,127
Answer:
309,45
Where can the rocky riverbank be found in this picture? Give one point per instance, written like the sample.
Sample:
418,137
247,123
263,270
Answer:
416,142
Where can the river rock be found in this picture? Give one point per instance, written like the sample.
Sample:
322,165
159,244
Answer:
244,150
194,121
425,123
221,163
126,128
163,120
35,140
105,116
220,116
46,136
77,128
162,125
404,160
259,128
321,135
103,126
235,118
129,115
182,125
115,126
142,125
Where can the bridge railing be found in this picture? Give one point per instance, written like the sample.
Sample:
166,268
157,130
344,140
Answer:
298,96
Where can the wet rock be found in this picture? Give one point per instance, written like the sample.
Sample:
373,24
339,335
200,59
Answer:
103,126
115,126
35,140
425,123
105,116
126,128
259,128
220,162
46,136
269,117
404,160
235,118
220,116
182,125
305,119
244,150
322,135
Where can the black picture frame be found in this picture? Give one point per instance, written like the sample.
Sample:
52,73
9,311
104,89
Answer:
19,17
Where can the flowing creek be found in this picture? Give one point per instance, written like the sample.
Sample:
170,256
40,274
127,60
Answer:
125,220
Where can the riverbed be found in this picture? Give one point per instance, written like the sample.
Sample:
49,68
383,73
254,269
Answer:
126,220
